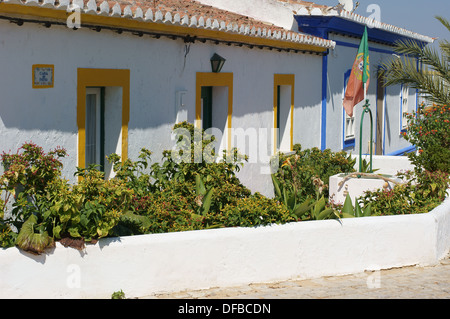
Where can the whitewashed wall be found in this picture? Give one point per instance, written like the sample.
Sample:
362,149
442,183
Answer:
48,116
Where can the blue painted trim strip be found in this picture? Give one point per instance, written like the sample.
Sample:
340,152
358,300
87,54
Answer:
319,25
323,137
403,151
401,108
350,142
352,45
384,121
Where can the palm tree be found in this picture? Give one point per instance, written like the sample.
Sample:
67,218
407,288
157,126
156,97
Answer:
433,79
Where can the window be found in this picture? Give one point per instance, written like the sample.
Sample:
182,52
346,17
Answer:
349,127
348,122
404,94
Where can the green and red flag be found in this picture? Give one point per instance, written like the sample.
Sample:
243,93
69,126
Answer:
359,77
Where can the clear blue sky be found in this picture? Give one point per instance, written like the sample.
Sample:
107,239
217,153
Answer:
414,15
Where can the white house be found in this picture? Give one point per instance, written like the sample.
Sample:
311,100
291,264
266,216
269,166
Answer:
114,78
98,78
345,28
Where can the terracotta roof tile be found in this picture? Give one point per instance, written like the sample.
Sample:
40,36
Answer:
193,8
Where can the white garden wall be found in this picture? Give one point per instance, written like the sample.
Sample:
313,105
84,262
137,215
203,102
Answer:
146,264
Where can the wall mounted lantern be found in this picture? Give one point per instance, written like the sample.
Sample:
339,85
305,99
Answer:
217,63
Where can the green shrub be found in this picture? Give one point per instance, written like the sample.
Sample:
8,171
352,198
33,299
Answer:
7,236
133,173
167,211
216,173
429,130
104,202
309,171
255,210
421,193
26,176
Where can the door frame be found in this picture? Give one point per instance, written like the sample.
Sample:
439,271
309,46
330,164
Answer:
214,79
101,78
279,80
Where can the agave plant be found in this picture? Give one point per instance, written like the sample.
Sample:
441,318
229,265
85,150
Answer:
434,78
348,211
308,208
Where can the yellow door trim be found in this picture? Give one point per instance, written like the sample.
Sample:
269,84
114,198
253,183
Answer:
214,79
283,79
102,78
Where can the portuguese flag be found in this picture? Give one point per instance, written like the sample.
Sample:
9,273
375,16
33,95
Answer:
359,76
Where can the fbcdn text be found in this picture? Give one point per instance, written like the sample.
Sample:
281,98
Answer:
245,308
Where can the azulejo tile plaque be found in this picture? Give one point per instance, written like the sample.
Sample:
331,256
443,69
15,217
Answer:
43,76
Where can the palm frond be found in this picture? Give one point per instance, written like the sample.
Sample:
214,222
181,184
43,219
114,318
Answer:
444,22
432,78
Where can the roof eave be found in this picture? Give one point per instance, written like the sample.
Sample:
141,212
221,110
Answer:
167,25
381,33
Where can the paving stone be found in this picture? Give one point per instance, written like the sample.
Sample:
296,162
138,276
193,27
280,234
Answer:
398,283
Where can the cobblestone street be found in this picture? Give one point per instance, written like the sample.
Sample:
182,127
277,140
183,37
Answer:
398,283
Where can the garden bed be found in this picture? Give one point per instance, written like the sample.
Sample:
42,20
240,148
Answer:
146,264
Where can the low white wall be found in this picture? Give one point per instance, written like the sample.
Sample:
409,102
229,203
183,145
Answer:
390,165
142,265
354,187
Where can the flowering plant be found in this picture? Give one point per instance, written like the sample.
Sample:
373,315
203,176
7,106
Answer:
429,130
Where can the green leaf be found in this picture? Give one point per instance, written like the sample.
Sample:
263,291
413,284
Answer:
65,217
46,214
358,212
56,231
73,231
345,215
368,210
276,185
318,207
348,206
199,186
207,202
303,207
84,220
291,200
325,214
